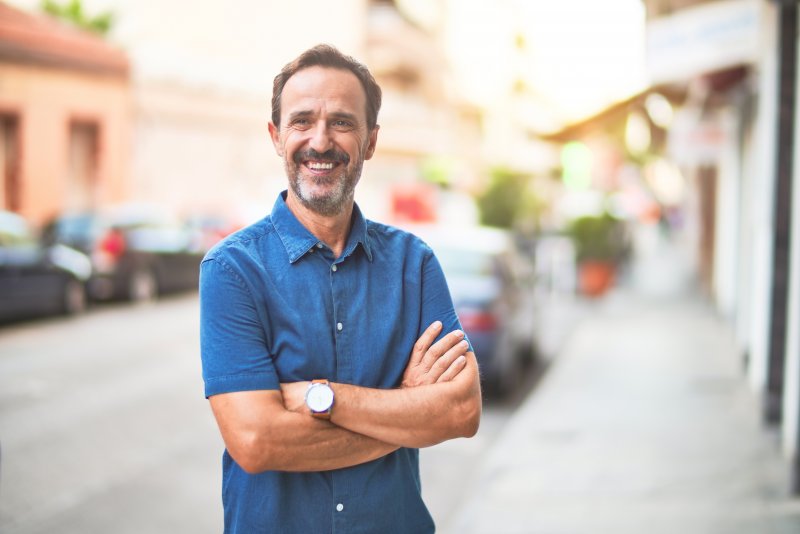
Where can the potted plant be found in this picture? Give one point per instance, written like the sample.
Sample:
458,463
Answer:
600,246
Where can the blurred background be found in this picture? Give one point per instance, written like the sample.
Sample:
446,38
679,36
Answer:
610,187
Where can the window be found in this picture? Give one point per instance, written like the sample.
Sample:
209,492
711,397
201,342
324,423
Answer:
9,163
82,179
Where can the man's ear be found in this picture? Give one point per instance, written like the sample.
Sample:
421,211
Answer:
373,141
275,135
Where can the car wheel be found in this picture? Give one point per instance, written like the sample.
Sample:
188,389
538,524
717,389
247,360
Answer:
510,377
503,382
528,355
143,286
74,297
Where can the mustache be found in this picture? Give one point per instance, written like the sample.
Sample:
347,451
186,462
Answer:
329,155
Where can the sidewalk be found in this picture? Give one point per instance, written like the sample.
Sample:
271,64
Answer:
644,423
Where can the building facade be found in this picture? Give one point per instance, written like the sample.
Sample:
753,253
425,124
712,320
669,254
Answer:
181,121
720,119
65,115
735,137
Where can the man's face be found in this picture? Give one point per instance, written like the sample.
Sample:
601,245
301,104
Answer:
323,137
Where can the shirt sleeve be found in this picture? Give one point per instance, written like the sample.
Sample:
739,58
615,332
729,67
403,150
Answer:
437,303
233,344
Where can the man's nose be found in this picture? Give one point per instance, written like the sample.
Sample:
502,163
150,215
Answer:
320,137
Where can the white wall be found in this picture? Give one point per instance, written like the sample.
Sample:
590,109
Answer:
746,232
761,196
791,386
726,234
198,151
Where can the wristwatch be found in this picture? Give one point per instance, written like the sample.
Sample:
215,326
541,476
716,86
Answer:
319,398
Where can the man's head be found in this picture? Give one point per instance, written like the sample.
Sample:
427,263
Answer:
328,56
324,127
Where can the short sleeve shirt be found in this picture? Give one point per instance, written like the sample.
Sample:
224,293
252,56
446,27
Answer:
277,306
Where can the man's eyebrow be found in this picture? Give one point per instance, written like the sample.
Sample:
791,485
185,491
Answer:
300,114
344,115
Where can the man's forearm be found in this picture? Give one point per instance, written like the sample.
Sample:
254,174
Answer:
325,446
291,441
412,417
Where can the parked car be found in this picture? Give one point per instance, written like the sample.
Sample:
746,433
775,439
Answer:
491,283
37,280
207,229
137,251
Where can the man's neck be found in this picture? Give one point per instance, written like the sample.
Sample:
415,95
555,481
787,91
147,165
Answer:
332,230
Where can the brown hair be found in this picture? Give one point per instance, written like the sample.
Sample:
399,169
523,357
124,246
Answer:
328,56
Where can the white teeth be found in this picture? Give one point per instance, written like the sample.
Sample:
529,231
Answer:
319,166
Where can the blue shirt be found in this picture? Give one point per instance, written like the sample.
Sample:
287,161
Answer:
277,306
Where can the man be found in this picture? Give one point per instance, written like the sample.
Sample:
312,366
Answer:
324,358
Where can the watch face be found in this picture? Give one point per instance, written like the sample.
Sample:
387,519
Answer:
319,398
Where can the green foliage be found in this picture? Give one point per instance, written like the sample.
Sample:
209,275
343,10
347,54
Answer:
598,237
507,201
74,13
437,170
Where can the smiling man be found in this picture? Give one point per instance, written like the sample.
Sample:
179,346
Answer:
330,348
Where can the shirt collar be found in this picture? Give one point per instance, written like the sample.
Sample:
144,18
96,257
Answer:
298,240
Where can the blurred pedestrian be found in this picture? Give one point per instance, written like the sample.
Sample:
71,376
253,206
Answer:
323,342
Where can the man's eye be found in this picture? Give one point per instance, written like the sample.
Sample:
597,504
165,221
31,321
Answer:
342,124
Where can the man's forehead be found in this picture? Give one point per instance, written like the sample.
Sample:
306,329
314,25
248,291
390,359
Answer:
324,84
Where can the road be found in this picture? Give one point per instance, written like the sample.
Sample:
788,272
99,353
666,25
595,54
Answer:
104,428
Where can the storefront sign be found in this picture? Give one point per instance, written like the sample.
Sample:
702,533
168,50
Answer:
703,38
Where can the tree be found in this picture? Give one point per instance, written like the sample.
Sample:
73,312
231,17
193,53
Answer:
74,13
507,200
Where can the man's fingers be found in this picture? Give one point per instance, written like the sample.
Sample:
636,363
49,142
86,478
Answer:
442,364
440,348
429,361
456,367
423,343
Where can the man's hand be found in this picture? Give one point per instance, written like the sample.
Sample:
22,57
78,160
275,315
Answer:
429,363
440,362
294,396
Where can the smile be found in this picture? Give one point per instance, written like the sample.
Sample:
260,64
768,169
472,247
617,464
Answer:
320,165
320,162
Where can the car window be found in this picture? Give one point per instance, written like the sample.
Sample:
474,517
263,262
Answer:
77,230
74,228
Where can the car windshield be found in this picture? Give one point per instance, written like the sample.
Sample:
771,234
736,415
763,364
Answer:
462,262
14,231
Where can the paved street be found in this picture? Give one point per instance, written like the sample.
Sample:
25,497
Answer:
104,428
644,423
103,424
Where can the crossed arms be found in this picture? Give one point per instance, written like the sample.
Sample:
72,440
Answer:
439,399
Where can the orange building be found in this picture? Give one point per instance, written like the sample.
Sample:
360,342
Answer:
65,117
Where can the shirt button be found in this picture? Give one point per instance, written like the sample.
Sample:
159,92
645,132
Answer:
333,268
339,327
339,507
319,245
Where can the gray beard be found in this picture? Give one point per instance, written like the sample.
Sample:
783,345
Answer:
327,205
